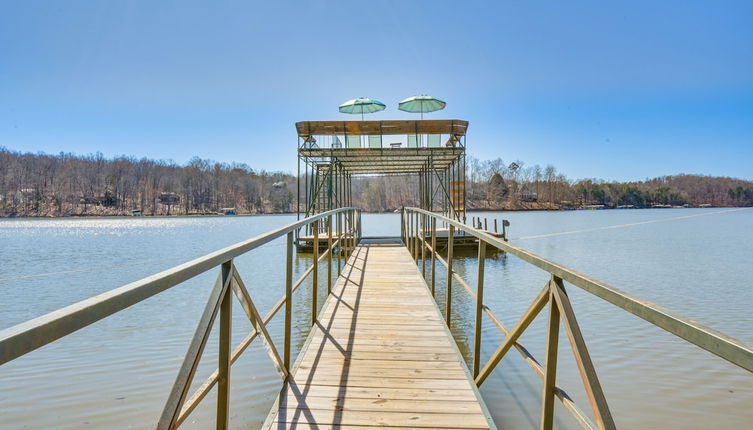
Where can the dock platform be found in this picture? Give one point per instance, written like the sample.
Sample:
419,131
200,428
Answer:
380,355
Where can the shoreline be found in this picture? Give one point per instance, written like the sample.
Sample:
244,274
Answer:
80,217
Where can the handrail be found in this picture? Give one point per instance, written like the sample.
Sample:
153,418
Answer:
716,342
27,336
414,225
35,333
561,394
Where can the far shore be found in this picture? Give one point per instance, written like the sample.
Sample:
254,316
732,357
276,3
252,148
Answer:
483,210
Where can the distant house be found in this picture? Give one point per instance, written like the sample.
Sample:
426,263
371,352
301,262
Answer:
136,212
227,211
169,198
525,194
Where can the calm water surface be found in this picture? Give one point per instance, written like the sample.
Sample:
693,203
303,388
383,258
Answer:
117,372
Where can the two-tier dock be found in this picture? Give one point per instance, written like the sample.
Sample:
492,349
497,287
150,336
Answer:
379,353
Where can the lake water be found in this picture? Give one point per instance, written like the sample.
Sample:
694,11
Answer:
117,373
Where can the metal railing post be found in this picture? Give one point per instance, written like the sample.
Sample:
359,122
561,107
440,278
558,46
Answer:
223,365
448,306
339,243
315,275
433,255
423,246
346,219
329,254
288,301
351,246
346,237
402,224
479,308
415,237
409,225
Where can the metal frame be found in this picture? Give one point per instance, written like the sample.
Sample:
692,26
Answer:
329,169
560,313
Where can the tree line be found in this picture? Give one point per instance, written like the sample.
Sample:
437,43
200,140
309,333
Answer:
68,184
499,185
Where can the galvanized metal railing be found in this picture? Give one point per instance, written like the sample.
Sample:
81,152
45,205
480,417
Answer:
419,226
26,337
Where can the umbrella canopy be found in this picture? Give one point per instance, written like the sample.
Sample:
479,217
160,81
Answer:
422,103
362,105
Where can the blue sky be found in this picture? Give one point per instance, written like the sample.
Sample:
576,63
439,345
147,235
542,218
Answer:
598,89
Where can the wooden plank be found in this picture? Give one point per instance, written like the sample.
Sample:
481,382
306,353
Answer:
379,355
315,390
410,372
380,405
375,331
432,357
382,419
343,363
306,426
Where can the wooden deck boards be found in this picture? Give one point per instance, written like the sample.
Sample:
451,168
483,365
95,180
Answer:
379,356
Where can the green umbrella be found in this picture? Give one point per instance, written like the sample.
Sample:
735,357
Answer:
422,103
362,105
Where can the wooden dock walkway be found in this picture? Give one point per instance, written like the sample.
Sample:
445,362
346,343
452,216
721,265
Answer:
380,355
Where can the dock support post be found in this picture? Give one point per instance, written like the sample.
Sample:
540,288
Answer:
315,275
550,371
479,308
288,301
223,365
329,254
450,241
433,255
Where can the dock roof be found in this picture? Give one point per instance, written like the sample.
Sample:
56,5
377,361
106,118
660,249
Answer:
454,127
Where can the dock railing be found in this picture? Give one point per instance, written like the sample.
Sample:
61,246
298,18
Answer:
419,233
28,336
